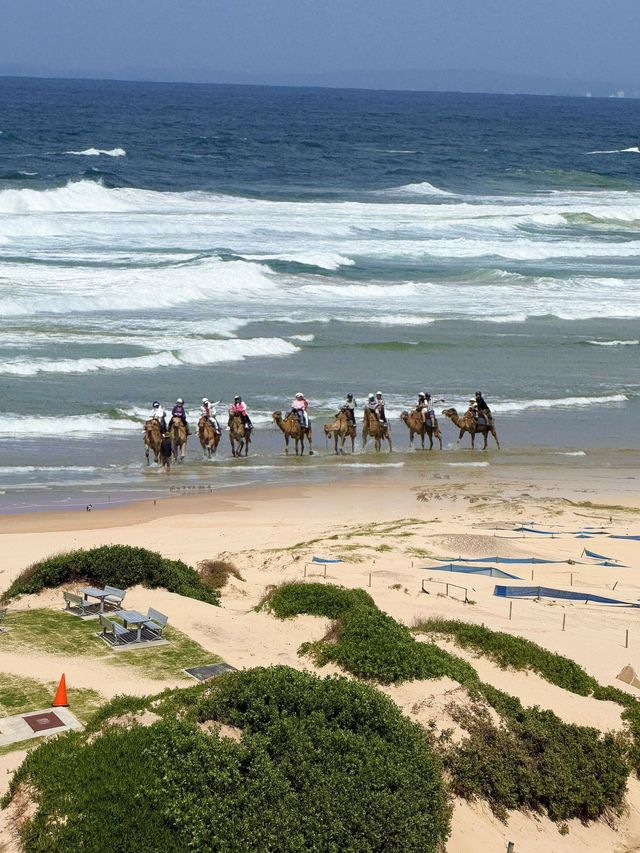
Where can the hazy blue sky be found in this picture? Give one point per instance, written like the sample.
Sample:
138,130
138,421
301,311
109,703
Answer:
293,40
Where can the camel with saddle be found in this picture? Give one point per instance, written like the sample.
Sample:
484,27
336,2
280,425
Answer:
239,435
474,426
341,429
375,429
209,437
292,429
418,426
152,439
178,433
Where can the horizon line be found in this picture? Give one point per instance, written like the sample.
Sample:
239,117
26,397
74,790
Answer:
335,88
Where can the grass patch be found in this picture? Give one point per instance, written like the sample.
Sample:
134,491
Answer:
55,632
323,764
121,566
19,694
216,573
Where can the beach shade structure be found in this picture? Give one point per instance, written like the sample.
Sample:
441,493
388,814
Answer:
621,536
60,700
325,560
489,571
565,594
586,553
628,675
498,560
611,565
534,530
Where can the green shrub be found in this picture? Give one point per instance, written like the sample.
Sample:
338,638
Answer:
323,764
365,641
515,652
536,761
121,566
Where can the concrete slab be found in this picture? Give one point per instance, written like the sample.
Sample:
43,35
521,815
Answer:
132,645
16,728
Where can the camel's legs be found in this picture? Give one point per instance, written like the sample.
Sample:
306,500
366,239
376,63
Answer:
146,453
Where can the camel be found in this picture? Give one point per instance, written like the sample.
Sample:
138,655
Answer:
209,438
417,426
469,424
343,428
152,439
292,428
378,432
178,433
239,436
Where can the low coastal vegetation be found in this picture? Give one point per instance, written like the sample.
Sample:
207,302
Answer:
216,573
121,566
531,760
267,759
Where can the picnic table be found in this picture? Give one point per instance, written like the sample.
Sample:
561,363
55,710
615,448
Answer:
132,617
95,592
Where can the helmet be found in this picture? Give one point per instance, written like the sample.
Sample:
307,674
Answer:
205,400
378,393
478,393
421,395
349,396
428,396
180,401
371,397
473,400
299,396
237,399
156,404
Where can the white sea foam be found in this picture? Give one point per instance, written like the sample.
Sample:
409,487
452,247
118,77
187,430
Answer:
46,469
570,453
422,188
632,343
468,464
633,150
201,352
305,339
562,403
76,426
97,152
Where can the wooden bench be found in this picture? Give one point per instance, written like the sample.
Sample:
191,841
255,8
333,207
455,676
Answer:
113,630
156,621
115,596
72,601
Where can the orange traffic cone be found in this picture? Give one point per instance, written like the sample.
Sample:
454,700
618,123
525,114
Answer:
61,695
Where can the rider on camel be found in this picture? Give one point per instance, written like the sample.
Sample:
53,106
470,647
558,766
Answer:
239,408
179,411
208,411
382,417
299,408
349,407
158,414
483,409
426,409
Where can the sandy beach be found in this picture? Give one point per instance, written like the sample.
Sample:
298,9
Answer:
386,529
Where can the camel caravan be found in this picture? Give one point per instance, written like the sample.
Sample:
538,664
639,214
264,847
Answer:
166,439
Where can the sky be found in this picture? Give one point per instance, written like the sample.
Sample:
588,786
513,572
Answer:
389,43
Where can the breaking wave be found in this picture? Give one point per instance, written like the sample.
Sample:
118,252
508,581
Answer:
200,353
98,152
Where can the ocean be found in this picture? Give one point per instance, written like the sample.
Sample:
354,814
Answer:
162,240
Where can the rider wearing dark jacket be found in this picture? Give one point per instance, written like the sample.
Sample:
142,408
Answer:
179,411
483,408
